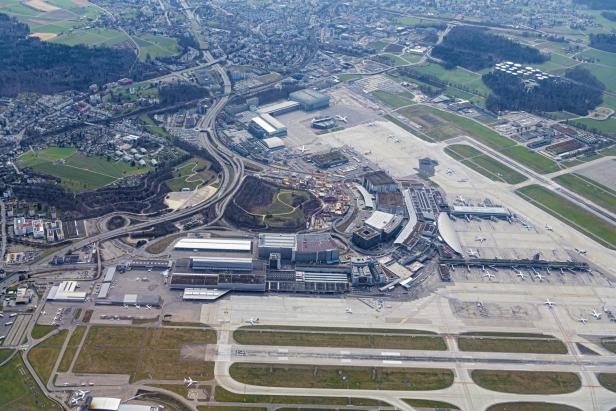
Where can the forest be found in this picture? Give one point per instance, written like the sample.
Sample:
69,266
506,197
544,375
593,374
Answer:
32,65
610,15
476,48
514,93
605,42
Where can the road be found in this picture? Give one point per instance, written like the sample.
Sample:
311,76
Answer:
2,233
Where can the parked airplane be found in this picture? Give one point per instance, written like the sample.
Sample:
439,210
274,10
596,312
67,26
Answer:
189,381
549,303
450,171
8,323
349,310
579,251
549,227
148,307
473,253
596,314
125,306
481,239
582,320
303,149
539,277
253,321
137,306
521,275
489,275
371,124
342,118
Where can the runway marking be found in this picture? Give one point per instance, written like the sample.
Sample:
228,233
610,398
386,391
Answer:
283,350
391,362
345,352
345,360
390,354
283,358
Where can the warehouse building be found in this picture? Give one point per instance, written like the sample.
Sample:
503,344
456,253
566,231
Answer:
214,244
310,100
316,248
379,182
132,299
272,143
150,264
221,263
66,291
283,244
266,126
277,109
219,281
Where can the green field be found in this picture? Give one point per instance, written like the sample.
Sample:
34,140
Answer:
145,352
5,353
605,74
43,356
75,170
607,127
222,395
484,164
385,339
191,174
152,127
527,382
608,381
609,344
394,100
39,331
156,46
597,193
19,390
71,348
565,210
366,378
531,406
430,404
460,77
512,343
92,37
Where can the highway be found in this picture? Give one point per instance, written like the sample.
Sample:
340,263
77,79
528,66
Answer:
2,233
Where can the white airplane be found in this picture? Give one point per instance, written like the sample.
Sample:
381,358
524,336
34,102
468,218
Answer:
371,124
349,310
125,306
342,118
596,314
579,251
489,275
303,149
473,253
582,320
481,239
43,312
549,303
539,277
82,393
189,381
137,306
521,275
9,323
148,307
253,321
549,227
12,315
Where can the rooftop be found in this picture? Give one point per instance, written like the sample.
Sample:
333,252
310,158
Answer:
379,220
222,244
379,178
270,240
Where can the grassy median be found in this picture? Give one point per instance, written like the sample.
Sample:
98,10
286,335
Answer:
527,382
534,344
531,406
327,376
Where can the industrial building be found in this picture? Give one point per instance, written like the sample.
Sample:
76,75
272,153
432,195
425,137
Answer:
366,237
316,248
484,212
407,230
330,159
66,291
277,109
379,182
214,244
426,167
150,264
202,294
220,281
283,244
221,263
272,143
131,299
391,202
266,126
310,100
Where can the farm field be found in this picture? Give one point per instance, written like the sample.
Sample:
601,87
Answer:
570,213
92,37
140,352
76,171
484,164
458,76
597,193
308,376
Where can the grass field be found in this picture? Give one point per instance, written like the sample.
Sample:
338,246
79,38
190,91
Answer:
19,390
145,352
152,127
392,339
590,189
191,174
513,344
608,381
531,406
527,382
43,356
92,37
39,331
430,404
565,210
484,164
367,378
458,76
609,344
5,353
605,74
607,127
394,100
156,46
222,395
75,170
231,408
71,349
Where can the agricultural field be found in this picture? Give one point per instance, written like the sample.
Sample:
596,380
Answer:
570,213
367,378
460,77
484,164
191,174
19,390
323,337
92,37
527,382
75,170
597,193
604,73
143,352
